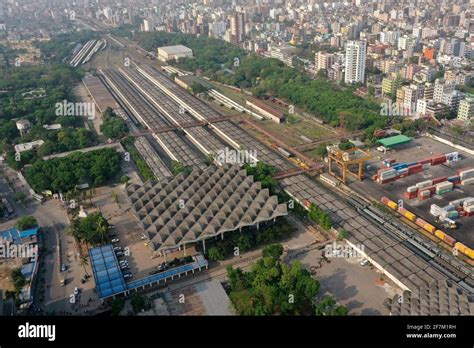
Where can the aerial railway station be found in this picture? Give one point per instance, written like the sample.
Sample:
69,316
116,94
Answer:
394,249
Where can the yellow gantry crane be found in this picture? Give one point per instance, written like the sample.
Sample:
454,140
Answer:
344,159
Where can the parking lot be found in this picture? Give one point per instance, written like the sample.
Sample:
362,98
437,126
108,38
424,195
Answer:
357,287
139,256
420,149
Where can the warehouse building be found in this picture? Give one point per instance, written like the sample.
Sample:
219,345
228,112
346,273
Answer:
394,141
191,208
168,53
266,110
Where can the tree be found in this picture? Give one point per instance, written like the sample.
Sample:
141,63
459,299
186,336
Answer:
26,222
343,234
198,88
114,127
272,287
138,303
329,306
215,254
117,306
83,263
124,179
321,151
178,167
18,279
274,251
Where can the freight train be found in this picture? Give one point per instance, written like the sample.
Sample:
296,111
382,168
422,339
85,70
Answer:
449,266
457,246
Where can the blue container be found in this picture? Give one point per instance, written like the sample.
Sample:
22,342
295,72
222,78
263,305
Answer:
400,166
453,178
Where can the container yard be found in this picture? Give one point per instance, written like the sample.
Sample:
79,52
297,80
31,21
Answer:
424,174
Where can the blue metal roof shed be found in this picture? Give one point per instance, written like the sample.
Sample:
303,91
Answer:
107,274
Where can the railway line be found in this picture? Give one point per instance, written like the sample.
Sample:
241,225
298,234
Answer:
399,252
170,141
226,130
207,143
448,265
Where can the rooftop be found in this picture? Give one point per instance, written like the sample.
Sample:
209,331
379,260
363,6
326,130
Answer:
440,298
175,49
190,208
394,141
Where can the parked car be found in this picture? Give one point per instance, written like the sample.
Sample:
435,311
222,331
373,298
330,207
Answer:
161,267
117,248
119,253
76,291
115,240
123,261
127,275
124,266
364,262
63,268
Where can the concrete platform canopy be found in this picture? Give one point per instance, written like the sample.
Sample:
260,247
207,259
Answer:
439,298
204,204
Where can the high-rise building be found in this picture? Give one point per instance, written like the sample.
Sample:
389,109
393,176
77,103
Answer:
441,87
237,27
324,60
466,109
355,61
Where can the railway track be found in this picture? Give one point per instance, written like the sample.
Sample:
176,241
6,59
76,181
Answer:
427,250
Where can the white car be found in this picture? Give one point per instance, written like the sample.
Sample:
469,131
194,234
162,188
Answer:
76,291
115,240
364,262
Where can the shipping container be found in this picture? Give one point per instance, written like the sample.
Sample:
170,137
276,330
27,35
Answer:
409,215
430,228
400,166
467,181
425,161
470,253
465,171
424,184
403,171
461,247
412,189
393,205
438,180
420,222
415,169
410,195
450,240
468,202
440,234
454,179
469,209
